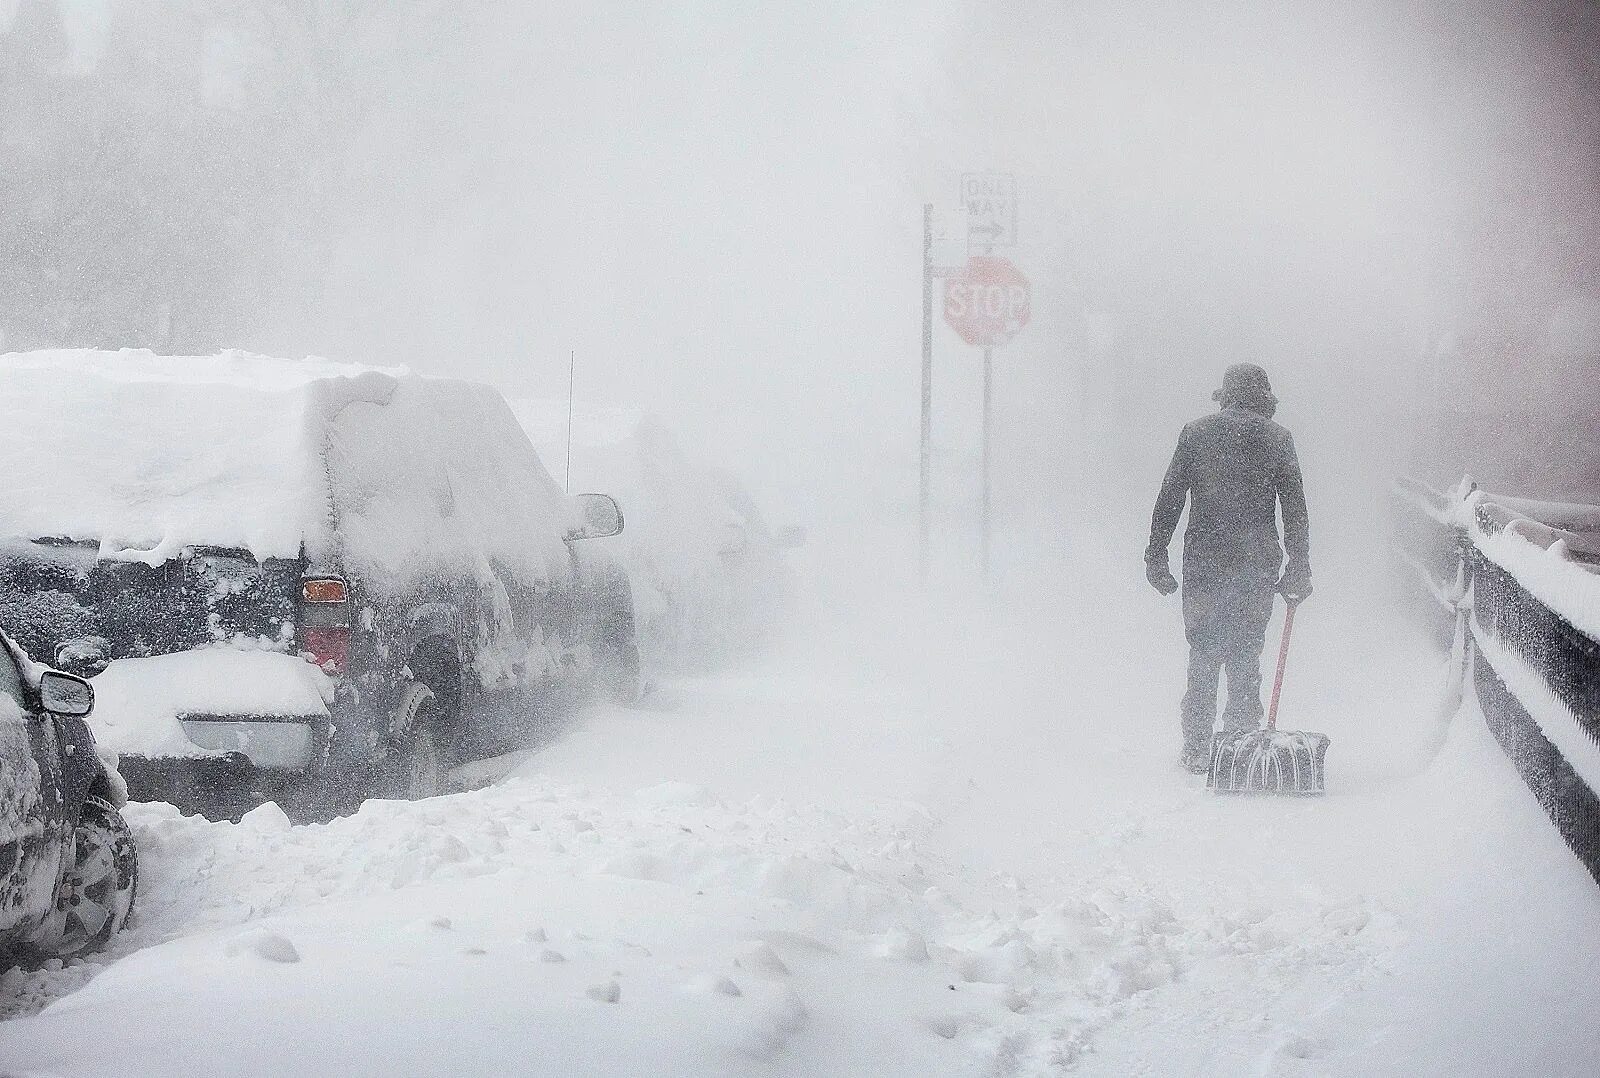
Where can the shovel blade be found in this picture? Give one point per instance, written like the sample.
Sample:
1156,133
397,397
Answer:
1268,762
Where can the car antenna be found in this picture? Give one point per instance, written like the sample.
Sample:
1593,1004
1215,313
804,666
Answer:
572,372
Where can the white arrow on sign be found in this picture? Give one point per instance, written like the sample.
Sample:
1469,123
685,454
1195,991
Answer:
990,199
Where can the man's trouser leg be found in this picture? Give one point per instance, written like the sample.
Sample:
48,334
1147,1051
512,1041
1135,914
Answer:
1244,635
1201,626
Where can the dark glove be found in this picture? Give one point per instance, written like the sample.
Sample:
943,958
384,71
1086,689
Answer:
1295,584
1160,577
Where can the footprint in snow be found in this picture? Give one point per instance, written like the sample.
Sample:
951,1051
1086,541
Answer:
763,961
1301,1046
903,942
710,984
267,945
609,992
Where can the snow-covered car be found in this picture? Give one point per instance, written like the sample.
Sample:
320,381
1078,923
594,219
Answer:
191,531
709,575
68,871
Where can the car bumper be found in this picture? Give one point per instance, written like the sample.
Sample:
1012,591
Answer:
205,784
248,761
272,744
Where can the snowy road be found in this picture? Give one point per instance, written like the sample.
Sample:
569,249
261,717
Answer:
973,855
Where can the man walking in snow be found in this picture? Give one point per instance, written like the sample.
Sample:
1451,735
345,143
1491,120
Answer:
1235,467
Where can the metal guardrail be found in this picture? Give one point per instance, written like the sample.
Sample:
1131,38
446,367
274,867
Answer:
1508,624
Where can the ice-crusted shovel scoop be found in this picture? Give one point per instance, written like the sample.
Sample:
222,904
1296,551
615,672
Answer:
1270,761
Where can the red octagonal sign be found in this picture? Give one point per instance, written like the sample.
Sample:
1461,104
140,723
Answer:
987,302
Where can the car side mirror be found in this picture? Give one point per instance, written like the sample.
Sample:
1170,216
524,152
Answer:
596,516
65,694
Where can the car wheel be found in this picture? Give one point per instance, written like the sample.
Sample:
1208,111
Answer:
416,769
423,770
97,891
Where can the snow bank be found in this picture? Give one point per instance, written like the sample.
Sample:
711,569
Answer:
138,701
149,453
662,931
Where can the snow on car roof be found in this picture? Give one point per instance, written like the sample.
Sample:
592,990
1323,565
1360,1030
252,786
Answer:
145,454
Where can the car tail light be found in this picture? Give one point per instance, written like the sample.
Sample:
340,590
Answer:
325,623
323,590
328,648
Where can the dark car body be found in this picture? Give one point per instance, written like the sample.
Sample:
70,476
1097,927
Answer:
49,770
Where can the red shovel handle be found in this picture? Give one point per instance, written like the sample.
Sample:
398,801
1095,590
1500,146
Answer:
1283,660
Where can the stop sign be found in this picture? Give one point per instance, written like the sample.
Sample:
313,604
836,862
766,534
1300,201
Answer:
987,302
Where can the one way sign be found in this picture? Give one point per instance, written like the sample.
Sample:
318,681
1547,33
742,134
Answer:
990,199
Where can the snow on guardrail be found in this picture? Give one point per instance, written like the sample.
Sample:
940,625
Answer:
1528,572
1547,553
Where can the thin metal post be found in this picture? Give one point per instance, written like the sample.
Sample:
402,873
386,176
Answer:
572,381
925,489
988,398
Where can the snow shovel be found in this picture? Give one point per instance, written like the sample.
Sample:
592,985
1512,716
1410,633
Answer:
1270,761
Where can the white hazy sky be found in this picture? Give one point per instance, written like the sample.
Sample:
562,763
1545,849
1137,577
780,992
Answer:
717,206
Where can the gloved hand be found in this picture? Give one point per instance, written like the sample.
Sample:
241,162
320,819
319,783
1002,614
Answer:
1159,575
1295,584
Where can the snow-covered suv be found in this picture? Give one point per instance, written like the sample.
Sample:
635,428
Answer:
303,581
67,865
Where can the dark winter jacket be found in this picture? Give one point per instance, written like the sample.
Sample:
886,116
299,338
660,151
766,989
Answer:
1236,467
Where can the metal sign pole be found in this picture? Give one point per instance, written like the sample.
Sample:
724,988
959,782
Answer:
988,397
572,382
994,306
926,487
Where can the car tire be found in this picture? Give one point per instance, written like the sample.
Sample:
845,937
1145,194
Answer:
416,769
98,887
423,774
